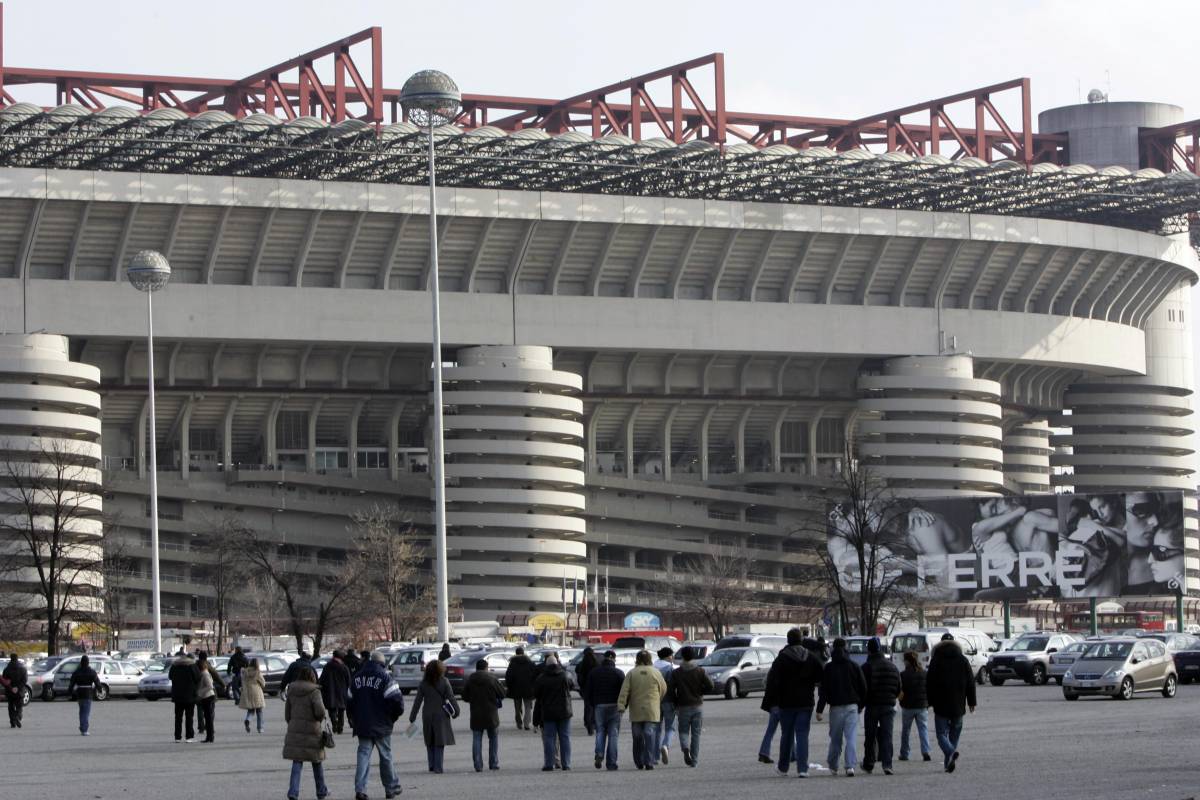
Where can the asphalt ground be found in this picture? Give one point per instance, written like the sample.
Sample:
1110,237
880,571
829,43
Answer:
1023,742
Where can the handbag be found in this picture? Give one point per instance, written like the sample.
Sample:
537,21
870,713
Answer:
327,740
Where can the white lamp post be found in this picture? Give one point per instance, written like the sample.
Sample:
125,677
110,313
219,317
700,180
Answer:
148,272
431,98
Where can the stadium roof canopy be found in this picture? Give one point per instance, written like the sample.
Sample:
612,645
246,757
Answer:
217,143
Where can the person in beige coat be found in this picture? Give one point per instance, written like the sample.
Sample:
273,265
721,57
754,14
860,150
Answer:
303,713
642,693
253,699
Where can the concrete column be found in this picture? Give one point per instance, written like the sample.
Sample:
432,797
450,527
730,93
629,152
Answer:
352,436
931,428
185,426
227,435
1027,453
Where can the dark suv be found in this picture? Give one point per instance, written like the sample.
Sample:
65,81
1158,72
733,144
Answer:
1027,658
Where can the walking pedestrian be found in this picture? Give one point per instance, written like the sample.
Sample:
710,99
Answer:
253,699
642,693
16,678
233,668
484,694
603,689
82,688
293,669
206,694
375,705
844,690
587,663
444,654
791,681
914,705
352,661
552,713
303,714
335,683
687,686
666,722
185,683
950,686
518,678
883,689
435,701
764,747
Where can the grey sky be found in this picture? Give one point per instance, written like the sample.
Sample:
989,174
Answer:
835,60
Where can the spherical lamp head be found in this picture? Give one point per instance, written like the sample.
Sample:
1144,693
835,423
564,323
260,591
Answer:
148,271
430,98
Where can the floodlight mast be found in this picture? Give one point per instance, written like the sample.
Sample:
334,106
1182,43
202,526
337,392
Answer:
430,98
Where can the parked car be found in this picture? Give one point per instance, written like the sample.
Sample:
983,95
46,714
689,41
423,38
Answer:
1028,659
408,665
154,685
41,676
1121,668
771,642
105,672
1176,641
701,649
1061,661
651,643
1187,662
976,646
738,671
459,667
856,648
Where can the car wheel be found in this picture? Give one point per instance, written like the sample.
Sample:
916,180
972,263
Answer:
26,696
996,681
731,689
981,676
47,693
101,692
1039,675
1126,692
1170,687
1058,680
1069,695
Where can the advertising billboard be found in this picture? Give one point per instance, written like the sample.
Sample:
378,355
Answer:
1014,548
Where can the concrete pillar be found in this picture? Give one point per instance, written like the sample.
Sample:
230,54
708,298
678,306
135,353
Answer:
185,426
931,428
1027,453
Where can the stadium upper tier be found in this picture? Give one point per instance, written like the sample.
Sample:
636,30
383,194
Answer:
167,140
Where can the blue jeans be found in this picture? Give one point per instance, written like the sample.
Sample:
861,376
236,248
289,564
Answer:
666,727
559,730
907,717
793,738
318,776
645,742
877,738
691,720
387,772
493,735
608,728
764,749
85,713
948,730
843,725
257,713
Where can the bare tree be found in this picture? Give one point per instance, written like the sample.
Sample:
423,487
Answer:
862,562
313,599
50,511
266,606
118,567
713,587
392,573
224,568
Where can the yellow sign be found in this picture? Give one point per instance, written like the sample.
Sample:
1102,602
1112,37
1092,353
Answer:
542,621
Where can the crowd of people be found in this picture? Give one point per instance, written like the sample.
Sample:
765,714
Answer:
805,679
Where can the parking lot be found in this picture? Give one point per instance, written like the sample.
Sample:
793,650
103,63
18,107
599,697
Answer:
1023,741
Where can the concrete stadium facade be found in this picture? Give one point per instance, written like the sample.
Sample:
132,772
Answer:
633,379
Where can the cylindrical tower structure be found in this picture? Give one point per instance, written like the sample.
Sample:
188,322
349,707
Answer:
1104,134
50,470
1027,453
514,466
936,427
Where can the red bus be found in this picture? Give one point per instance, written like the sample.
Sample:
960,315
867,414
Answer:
1116,621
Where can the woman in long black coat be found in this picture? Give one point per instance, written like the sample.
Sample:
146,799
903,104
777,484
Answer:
335,683
586,664
436,704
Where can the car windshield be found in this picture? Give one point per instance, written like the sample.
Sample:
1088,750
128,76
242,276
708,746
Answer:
856,646
902,644
1108,651
1077,647
729,657
733,641
1030,644
45,664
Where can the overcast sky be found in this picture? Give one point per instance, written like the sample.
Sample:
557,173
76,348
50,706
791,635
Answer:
831,59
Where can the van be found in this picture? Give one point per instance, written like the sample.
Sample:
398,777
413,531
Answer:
771,642
976,646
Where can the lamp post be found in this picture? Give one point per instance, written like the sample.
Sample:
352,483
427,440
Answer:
149,271
430,98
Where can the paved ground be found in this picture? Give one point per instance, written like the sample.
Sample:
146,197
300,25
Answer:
1023,742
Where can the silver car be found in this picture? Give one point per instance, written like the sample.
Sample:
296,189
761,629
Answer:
1120,668
114,678
1061,661
408,666
738,671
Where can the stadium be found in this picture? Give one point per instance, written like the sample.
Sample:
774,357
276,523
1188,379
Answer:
664,322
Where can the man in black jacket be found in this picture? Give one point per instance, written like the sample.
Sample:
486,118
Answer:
293,669
790,684
845,691
233,669
518,677
82,688
483,692
950,684
687,686
602,690
335,682
552,713
883,689
185,682
15,679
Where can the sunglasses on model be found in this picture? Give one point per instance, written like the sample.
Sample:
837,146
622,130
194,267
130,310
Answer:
1144,510
1161,553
